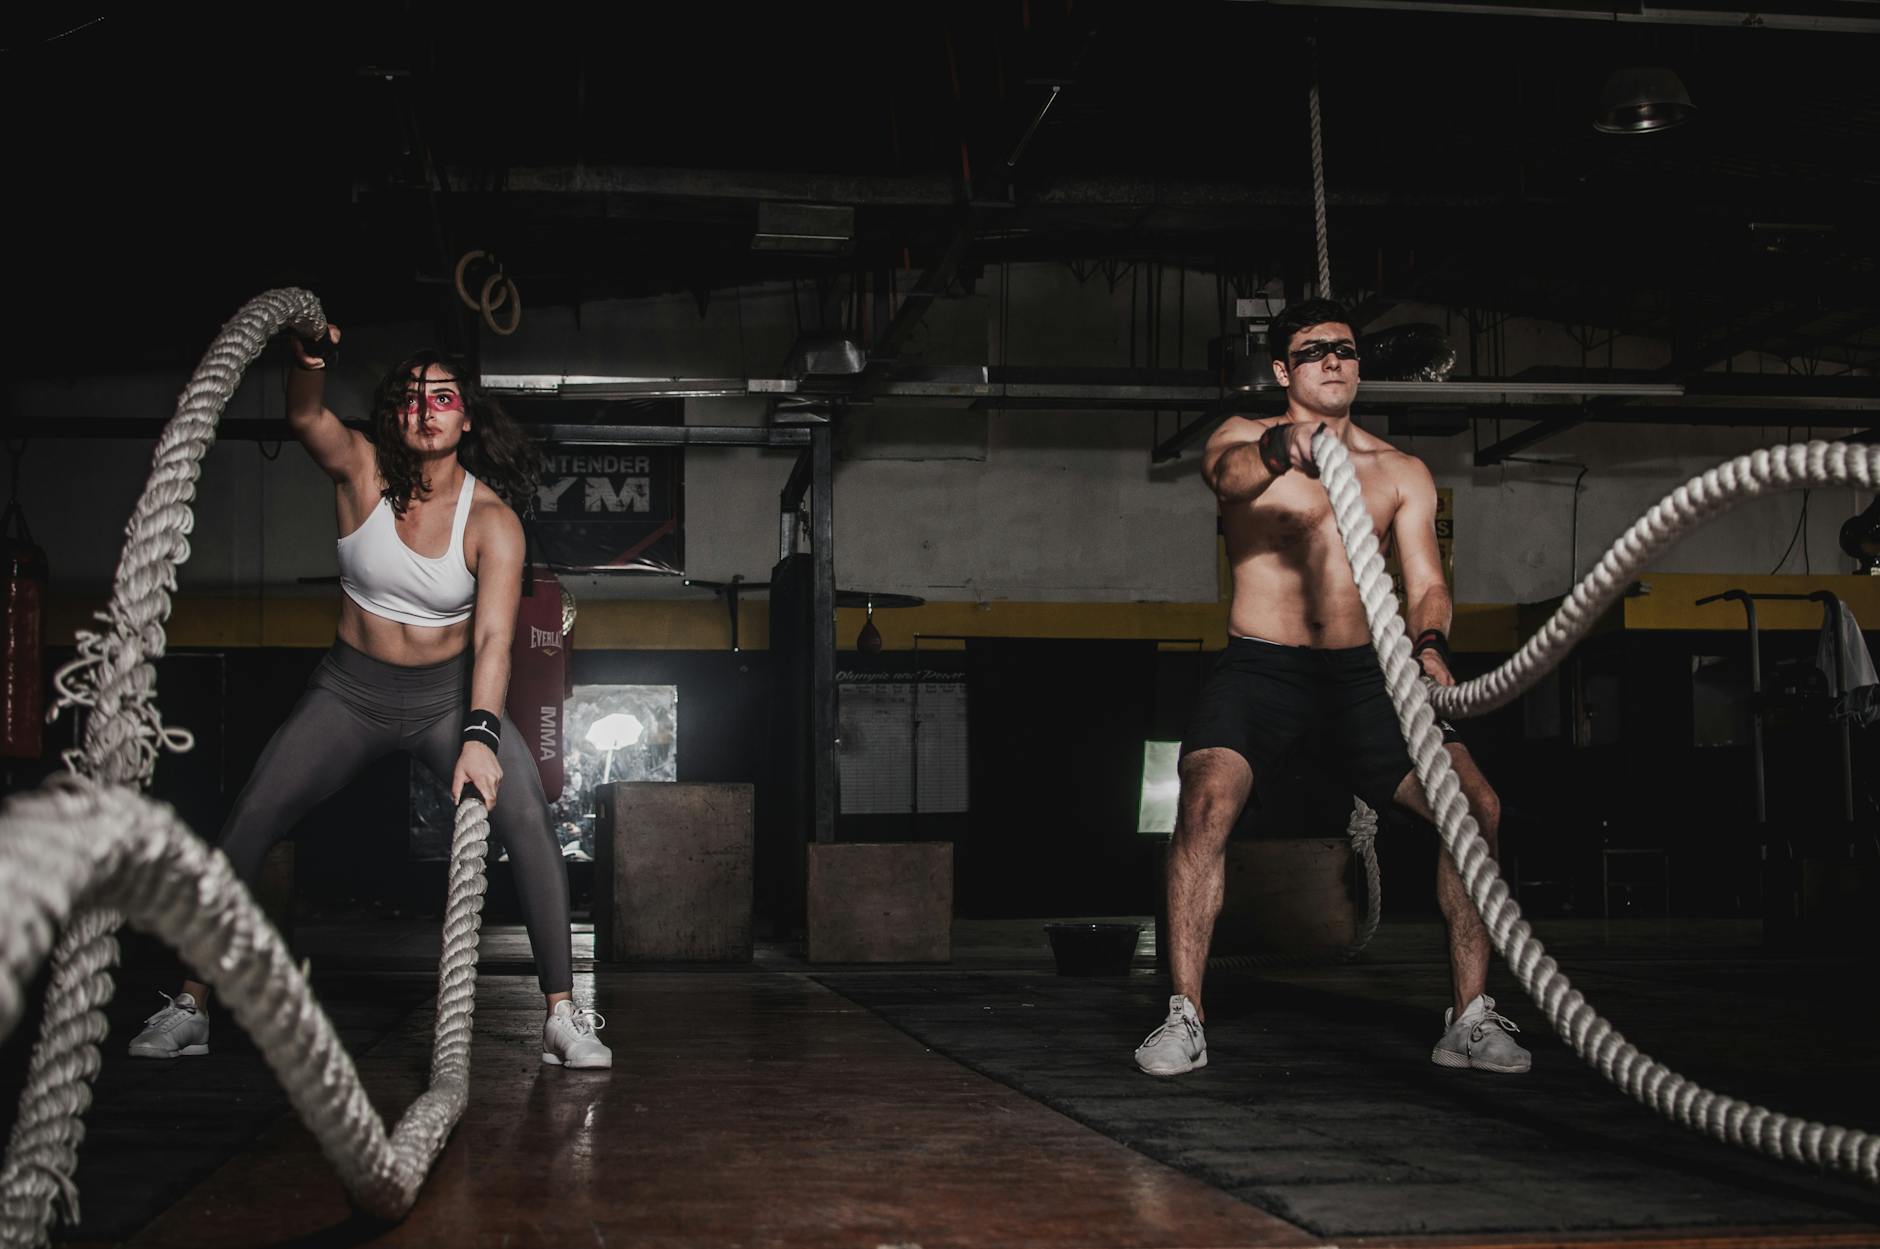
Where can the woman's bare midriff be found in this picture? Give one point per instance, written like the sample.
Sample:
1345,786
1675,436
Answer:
406,646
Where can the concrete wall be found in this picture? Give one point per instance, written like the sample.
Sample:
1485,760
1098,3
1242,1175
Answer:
1023,506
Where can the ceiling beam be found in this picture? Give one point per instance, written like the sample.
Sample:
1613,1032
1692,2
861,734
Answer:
1150,389
1736,340
1819,16
1171,447
1495,452
645,180
147,429
1865,421
935,191
915,303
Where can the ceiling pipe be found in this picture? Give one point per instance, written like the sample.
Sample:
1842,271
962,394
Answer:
939,191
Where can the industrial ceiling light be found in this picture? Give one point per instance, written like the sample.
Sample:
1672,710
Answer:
1641,100
805,229
1241,358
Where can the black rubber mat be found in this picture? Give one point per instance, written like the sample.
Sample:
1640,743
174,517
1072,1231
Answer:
1320,1104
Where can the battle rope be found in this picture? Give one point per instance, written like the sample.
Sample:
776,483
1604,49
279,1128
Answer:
114,674
1591,1037
104,820
1792,467
1362,830
75,843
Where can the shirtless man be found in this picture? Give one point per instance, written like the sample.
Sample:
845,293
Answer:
1299,656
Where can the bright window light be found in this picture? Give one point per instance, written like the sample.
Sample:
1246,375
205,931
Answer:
614,731
1161,787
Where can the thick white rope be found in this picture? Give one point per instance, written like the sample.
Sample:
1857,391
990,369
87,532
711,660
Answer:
1362,828
114,678
74,844
1596,1041
1362,831
1792,467
114,674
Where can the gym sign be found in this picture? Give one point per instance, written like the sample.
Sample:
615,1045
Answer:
610,507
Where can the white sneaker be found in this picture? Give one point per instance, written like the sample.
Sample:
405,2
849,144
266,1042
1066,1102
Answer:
179,1030
1178,1046
1479,1039
568,1039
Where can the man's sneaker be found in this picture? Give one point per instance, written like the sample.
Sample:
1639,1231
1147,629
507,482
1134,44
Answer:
1479,1039
568,1038
1178,1045
179,1030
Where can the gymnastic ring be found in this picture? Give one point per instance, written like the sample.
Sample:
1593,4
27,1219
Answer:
489,307
463,293
463,264
502,295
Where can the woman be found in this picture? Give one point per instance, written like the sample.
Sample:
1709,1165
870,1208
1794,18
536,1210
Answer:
430,562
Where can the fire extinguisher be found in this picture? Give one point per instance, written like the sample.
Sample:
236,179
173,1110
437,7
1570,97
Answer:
22,660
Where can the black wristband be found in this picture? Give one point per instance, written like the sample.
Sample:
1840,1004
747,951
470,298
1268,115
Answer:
1274,451
322,349
483,727
1432,640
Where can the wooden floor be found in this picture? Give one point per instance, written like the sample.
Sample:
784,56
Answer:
753,1109
760,1106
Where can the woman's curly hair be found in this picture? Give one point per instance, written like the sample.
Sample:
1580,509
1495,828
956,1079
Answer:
494,449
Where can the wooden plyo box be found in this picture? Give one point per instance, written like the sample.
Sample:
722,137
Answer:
1283,896
881,902
672,872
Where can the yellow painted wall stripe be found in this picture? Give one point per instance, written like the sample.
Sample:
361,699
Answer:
1670,602
660,624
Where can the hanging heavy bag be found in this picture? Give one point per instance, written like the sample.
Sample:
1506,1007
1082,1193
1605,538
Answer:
23,664
538,674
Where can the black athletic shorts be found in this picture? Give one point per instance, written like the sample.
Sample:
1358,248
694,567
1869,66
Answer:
1263,699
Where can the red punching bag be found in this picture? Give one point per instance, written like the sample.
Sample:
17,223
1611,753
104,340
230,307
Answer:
22,663
538,675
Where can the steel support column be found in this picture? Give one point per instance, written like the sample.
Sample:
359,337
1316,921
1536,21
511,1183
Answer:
823,721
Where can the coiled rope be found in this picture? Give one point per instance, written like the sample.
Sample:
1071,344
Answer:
1593,1038
86,851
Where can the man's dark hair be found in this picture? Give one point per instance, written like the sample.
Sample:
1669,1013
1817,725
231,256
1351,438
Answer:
1295,317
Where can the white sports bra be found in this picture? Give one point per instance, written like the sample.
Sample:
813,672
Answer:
387,578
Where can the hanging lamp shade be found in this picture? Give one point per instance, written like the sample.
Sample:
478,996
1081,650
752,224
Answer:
1642,100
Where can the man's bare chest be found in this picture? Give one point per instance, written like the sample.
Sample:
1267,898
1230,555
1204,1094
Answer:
1296,512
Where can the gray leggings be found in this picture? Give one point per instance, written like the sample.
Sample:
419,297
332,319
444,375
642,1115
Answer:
358,709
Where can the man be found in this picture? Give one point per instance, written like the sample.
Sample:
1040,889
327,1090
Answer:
1299,658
